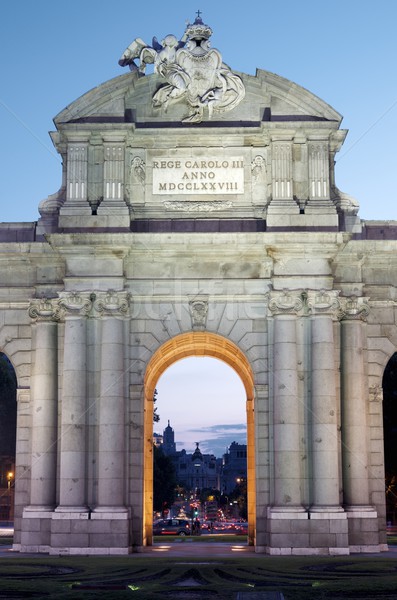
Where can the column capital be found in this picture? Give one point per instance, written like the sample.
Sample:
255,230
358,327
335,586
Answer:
75,303
323,303
287,302
44,310
353,308
112,303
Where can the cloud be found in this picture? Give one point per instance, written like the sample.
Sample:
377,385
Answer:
213,439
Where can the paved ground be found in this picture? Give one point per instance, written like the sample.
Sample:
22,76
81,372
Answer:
198,550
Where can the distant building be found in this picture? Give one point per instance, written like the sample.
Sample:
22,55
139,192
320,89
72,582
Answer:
193,471
169,446
158,440
234,466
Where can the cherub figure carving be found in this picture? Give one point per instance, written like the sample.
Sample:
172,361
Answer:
192,71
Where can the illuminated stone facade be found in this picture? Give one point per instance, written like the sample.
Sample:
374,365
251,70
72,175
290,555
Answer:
254,257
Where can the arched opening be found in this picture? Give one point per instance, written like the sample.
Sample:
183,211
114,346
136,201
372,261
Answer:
8,418
200,453
182,346
389,384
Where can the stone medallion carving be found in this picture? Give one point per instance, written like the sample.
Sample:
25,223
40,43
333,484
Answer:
192,70
198,306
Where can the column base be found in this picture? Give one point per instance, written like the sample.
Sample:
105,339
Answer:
81,513
39,508
360,508
71,509
117,513
286,512
110,509
327,512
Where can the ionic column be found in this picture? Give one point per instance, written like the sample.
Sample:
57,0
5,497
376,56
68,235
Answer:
354,391
286,426
324,427
72,467
111,429
44,397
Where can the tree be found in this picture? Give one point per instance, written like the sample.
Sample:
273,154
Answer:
164,480
156,416
8,407
239,495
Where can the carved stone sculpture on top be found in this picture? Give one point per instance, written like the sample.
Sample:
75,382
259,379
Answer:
193,71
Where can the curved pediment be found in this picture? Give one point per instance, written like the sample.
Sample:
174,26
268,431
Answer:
129,98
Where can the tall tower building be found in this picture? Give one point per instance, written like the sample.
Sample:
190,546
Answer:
169,446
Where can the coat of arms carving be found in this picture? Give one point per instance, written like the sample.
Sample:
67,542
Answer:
192,70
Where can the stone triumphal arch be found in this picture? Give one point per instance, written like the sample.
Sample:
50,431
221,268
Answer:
198,214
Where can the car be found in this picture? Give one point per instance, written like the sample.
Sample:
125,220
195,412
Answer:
171,527
241,528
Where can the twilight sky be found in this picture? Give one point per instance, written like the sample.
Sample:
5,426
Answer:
343,51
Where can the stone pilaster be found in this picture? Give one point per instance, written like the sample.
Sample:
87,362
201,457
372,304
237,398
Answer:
323,308
361,516
286,427
72,464
354,403
113,308
44,397
113,203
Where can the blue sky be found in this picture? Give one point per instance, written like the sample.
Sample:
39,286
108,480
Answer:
343,51
204,399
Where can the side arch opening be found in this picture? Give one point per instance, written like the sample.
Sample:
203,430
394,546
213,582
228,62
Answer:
389,384
183,346
8,424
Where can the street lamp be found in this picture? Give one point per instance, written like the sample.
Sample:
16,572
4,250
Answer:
10,476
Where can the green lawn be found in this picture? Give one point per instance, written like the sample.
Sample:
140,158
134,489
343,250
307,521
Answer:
188,578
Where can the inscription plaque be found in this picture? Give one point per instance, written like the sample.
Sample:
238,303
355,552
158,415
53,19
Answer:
201,176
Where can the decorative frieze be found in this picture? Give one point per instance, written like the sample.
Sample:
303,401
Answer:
198,206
